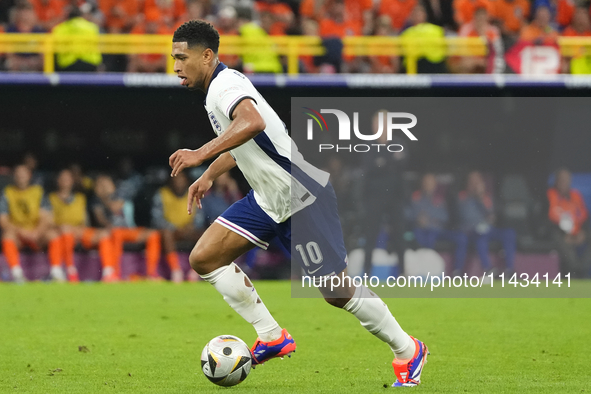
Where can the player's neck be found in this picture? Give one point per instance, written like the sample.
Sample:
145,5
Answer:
209,76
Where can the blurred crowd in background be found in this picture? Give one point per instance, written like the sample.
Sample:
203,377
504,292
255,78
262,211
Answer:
68,210
508,26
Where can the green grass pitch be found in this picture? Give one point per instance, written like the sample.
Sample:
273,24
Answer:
147,337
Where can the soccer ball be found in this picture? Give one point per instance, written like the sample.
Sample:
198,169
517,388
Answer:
226,360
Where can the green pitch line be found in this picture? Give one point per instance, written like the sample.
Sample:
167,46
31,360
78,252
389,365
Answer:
147,338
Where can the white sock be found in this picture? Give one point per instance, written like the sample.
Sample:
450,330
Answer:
17,273
375,316
240,294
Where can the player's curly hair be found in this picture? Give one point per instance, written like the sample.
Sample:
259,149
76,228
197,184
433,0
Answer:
199,33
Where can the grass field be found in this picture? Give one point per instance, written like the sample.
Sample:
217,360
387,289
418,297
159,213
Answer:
147,337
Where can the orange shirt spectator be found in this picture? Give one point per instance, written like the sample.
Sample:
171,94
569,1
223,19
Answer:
481,27
397,10
49,12
169,11
580,26
569,208
356,10
564,12
271,25
149,62
331,28
281,12
539,30
120,15
464,9
512,14
388,63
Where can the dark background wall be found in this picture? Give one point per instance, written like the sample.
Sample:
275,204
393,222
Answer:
97,126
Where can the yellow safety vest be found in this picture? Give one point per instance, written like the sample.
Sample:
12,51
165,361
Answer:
175,208
24,205
72,213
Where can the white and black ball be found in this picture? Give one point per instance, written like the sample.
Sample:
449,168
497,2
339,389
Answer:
226,360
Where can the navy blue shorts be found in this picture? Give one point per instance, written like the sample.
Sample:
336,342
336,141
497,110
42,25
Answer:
313,235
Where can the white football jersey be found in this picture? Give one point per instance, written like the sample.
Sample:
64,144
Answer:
282,181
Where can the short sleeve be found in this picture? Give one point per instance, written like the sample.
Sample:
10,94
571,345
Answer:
3,204
227,99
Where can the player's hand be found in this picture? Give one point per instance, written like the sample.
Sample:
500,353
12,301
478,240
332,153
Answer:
196,191
184,158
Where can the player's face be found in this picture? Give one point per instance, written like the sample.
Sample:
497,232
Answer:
22,177
190,64
65,181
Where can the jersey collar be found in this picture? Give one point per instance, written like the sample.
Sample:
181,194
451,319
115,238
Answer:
219,68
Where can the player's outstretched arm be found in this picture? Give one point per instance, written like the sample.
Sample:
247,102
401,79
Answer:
197,190
246,124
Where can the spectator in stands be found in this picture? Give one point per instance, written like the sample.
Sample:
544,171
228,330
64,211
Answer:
25,21
49,12
481,27
429,216
26,220
464,10
358,12
223,194
87,59
149,63
169,215
431,57
270,24
120,15
569,214
399,12
335,25
512,17
580,27
384,64
265,60
115,214
195,10
166,12
282,15
580,63
227,25
383,191
71,218
477,220
82,182
310,28
539,30
565,11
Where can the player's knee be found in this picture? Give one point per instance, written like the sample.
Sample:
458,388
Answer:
200,261
337,302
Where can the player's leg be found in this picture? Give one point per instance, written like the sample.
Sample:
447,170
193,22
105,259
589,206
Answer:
508,239
482,250
101,239
153,248
52,239
318,227
169,237
10,248
212,258
70,235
